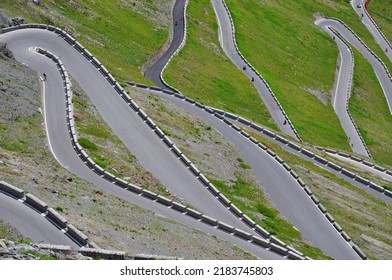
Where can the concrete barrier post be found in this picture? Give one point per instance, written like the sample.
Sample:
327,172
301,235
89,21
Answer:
57,218
10,189
77,235
36,203
226,227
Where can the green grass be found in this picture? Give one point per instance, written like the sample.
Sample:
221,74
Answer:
59,209
101,161
87,144
381,11
3,231
370,111
119,34
23,240
244,165
203,72
38,255
26,132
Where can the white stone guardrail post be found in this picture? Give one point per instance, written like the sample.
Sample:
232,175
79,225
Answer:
357,159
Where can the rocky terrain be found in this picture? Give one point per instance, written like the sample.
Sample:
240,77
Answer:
9,250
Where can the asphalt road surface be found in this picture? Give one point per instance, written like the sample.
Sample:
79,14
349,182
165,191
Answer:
153,73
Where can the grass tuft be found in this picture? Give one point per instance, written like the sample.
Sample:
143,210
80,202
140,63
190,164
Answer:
87,144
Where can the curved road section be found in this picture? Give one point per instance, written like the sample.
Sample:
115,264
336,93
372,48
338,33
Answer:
378,66
343,92
154,72
130,128
381,72
284,190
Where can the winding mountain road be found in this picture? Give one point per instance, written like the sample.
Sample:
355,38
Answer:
343,92
135,134
382,76
228,44
285,192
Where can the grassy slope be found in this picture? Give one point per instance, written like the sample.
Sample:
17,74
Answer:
203,72
118,34
8,232
370,111
381,11
304,50
284,52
